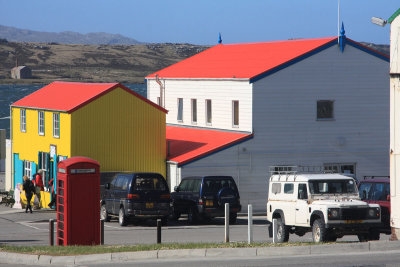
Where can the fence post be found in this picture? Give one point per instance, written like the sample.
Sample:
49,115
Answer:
250,223
101,231
51,232
226,222
274,230
158,231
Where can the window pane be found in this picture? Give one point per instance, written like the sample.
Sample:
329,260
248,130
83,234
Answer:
23,120
41,122
235,113
194,110
324,109
180,109
56,124
288,188
208,111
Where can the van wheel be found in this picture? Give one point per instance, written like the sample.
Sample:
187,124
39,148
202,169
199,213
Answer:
192,215
319,232
121,217
232,218
282,231
104,214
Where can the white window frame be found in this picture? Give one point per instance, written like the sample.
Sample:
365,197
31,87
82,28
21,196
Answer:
208,112
235,125
23,120
28,168
56,125
179,115
41,122
193,102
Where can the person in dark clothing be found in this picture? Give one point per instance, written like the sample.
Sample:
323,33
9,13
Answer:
29,189
53,195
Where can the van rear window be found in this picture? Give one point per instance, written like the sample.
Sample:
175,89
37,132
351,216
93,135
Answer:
212,185
149,183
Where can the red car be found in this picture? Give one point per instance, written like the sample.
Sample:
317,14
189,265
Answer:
376,189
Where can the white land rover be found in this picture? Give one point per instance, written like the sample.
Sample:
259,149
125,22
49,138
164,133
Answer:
327,204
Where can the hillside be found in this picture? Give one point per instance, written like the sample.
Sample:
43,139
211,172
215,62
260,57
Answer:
68,37
90,63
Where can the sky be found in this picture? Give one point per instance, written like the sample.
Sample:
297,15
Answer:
200,22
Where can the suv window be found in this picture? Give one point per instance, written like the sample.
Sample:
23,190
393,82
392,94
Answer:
125,183
118,182
302,192
288,188
332,186
365,187
149,183
276,188
185,185
212,185
374,191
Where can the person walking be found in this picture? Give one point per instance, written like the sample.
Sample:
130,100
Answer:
29,189
39,186
53,195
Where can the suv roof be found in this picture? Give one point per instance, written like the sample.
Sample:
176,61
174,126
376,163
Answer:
210,176
307,177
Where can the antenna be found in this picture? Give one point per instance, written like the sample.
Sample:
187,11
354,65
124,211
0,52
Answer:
219,39
338,19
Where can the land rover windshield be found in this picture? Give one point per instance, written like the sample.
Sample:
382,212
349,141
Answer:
321,187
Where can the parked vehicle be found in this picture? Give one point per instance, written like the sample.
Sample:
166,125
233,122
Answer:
328,205
376,189
136,196
205,197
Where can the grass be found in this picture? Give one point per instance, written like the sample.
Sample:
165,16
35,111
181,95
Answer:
82,250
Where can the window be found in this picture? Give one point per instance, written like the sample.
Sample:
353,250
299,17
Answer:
324,110
41,122
333,186
56,124
194,111
44,162
344,168
235,113
180,110
23,120
302,192
208,112
276,188
288,189
28,168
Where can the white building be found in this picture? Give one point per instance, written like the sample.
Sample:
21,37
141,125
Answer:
237,109
394,20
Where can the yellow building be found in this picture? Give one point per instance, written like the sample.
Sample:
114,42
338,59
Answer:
107,122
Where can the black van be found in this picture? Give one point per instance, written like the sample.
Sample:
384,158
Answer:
136,196
205,197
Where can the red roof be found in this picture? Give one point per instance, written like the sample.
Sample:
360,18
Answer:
241,60
70,96
188,144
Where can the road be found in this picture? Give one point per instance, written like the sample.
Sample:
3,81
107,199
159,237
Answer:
32,229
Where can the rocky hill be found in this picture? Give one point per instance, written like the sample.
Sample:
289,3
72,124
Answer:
68,37
90,63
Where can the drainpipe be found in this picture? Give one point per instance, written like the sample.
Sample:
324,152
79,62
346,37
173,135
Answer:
162,102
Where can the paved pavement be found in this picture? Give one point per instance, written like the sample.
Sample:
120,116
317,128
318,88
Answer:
20,228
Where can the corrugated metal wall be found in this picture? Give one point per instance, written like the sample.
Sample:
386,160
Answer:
121,132
29,143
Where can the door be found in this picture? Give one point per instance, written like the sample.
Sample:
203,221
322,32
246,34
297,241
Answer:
301,212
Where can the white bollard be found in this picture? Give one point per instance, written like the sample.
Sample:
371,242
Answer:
250,223
274,230
226,222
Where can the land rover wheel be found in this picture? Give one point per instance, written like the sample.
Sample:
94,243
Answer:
319,232
122,217
282,231
104,214
192,215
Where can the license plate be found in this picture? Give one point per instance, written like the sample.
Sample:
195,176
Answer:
149,205
353,221
209,203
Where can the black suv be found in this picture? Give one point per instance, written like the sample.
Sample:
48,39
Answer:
205,197
136,196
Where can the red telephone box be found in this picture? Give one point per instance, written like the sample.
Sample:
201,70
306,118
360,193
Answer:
78,198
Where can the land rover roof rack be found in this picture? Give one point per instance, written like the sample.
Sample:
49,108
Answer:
286,171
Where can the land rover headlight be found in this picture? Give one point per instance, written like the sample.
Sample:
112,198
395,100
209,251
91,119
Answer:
333,214
374,212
